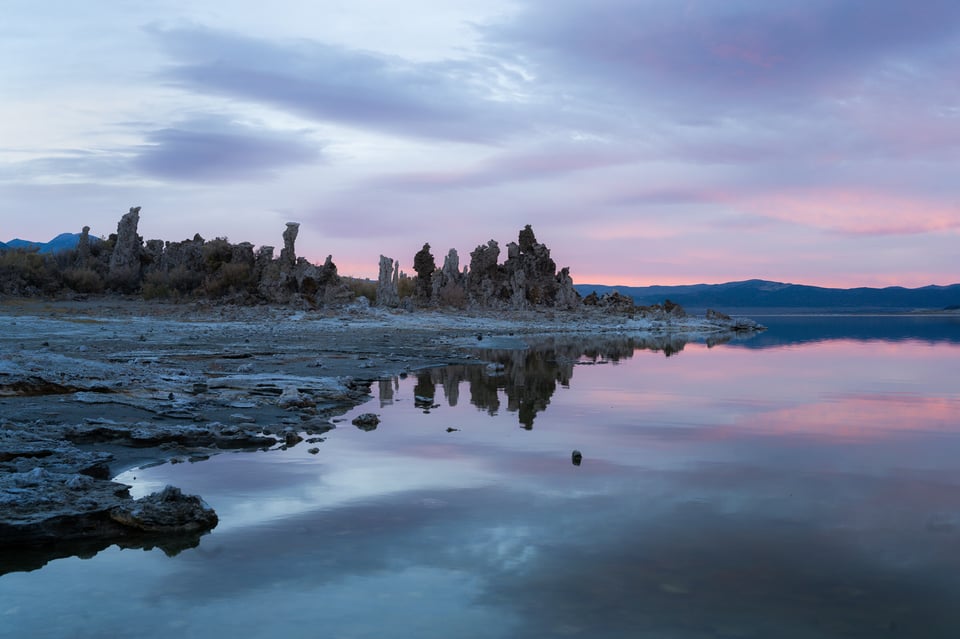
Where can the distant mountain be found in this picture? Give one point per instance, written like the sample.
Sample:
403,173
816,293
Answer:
763,295
23,244
62,242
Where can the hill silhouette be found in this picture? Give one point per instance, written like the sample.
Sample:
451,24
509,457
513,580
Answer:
766,295
62,242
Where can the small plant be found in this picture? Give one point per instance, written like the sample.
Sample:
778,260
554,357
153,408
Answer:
230,278
26,272
216,253
362,288
452,295
406,285
83,280
156,285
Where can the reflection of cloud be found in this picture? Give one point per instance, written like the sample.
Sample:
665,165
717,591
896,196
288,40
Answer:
854,418
674,553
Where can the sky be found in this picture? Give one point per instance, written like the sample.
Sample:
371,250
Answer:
646,141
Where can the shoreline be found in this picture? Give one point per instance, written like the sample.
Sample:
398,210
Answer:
93,387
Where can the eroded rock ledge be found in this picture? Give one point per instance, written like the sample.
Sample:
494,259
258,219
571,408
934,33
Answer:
52,492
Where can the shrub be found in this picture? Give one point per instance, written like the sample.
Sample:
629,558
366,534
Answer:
216,253
83,280
406,285
124,280
156,285
362,288
28,273
451,294
231,278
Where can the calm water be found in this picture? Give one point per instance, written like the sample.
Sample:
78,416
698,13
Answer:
793,485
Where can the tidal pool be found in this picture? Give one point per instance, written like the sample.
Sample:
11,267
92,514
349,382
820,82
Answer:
802,487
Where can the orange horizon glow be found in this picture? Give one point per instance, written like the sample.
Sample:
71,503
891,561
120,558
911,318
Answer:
877,281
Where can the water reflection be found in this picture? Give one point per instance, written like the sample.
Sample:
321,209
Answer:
790,492
26,558
523,380
785,330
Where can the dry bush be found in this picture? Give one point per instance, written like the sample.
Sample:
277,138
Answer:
362,288
216,253
184,280
453,295
156,285
28,273
83,280
231,278
406,285
124,280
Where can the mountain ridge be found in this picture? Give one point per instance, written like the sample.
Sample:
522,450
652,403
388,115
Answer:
62,242
766,294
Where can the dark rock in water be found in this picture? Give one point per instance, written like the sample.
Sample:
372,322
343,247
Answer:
367,421
292,438
168,511
576,457
451,429
673,310
716,315
43,508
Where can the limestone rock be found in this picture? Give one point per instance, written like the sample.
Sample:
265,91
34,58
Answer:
83,247
388,294
485,279
424,266
527,279
288,255
168,511
366,421
717,315
124,269
448,282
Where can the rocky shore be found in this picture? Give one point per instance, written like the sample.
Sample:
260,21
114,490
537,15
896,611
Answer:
91,388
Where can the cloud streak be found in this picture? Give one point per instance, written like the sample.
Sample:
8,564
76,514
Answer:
462,101
206,150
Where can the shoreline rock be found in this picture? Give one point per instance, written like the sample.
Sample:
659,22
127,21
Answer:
155,381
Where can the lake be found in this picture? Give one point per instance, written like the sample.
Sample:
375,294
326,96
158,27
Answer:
802,483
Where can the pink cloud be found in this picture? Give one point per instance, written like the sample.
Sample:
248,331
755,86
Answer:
853,211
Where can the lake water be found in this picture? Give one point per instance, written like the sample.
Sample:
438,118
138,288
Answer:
803,483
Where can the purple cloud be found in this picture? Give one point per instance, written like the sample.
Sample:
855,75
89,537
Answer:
211,150
737,51
450,100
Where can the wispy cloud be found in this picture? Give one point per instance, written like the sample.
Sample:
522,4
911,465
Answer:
205,149
460,100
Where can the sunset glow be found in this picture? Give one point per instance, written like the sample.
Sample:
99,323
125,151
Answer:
647,142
